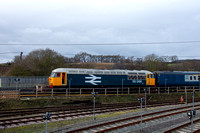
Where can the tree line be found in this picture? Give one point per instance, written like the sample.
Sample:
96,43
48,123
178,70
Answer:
84,57
42,61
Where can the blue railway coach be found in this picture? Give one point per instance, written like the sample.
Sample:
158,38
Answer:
72,77
177,78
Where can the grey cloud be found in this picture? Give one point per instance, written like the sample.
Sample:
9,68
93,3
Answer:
90,22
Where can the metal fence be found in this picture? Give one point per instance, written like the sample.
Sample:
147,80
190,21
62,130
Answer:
23,82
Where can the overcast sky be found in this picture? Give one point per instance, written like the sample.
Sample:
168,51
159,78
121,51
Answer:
100,22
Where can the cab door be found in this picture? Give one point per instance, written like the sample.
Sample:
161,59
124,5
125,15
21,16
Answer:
64,79
150,79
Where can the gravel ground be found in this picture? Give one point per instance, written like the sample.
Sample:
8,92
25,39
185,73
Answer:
154,126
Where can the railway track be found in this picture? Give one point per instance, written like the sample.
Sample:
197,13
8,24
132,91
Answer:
186,127
151,121
19,117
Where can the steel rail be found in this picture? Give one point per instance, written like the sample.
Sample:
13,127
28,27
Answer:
135,117
8,121
182,126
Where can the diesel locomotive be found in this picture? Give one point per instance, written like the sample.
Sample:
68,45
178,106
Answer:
89,78
72,77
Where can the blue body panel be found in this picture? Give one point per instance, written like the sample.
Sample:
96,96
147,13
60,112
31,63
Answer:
177,78
89,80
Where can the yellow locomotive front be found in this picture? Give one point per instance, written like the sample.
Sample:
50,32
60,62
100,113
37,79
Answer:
58,79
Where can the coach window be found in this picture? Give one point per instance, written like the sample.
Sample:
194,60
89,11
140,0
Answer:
190,77
195,78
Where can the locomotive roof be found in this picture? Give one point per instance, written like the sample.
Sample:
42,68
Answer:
177,72
100,71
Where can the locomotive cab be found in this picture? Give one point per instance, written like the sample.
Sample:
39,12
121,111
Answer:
58,79
150,79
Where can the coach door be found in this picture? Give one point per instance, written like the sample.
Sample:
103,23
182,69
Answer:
64,79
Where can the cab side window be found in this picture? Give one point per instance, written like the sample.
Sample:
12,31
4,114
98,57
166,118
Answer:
57,74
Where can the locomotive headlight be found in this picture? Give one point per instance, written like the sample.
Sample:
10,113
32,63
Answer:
50,81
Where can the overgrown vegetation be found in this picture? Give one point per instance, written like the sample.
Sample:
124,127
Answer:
44,102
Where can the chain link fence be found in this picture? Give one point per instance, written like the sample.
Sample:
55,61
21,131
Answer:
11,82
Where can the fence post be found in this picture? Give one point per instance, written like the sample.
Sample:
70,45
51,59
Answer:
168,90
186,94
66,92
105,91
158,90
52,92
128,90
19,93
80,92
117,91
36,91
149,90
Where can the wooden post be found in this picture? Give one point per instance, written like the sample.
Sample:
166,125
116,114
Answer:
19,93
52,92
66,92
168,90
105,91
36,91
128,91
149,90
80,92
158,90
117,91
177,89
186,94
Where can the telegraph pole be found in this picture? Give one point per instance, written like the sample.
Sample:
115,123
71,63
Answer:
21,56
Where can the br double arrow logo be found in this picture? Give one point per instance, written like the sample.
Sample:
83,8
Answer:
93,80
